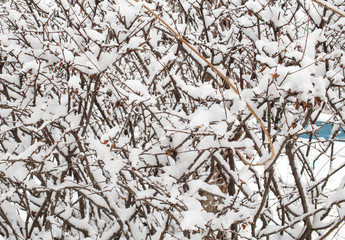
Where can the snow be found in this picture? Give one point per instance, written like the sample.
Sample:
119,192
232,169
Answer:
128,12
134,156
336,197
74,82
245,21
253,5
194,220
134,43
139,161
205,116
95,35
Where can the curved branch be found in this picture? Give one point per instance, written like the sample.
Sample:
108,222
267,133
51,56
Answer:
178,37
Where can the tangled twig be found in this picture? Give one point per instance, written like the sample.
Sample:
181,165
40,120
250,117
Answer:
180,38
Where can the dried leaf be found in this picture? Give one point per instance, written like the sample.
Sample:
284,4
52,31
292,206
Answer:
117,104
262,69
242,182
297,105
169,152
310,105
318,101
304,105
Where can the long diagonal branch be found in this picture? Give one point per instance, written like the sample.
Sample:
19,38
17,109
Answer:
178,37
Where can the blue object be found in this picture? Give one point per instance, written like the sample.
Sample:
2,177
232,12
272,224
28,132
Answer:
325,131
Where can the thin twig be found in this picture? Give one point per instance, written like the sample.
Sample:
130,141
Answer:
332,8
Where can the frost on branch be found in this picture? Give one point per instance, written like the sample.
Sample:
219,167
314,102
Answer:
110,128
